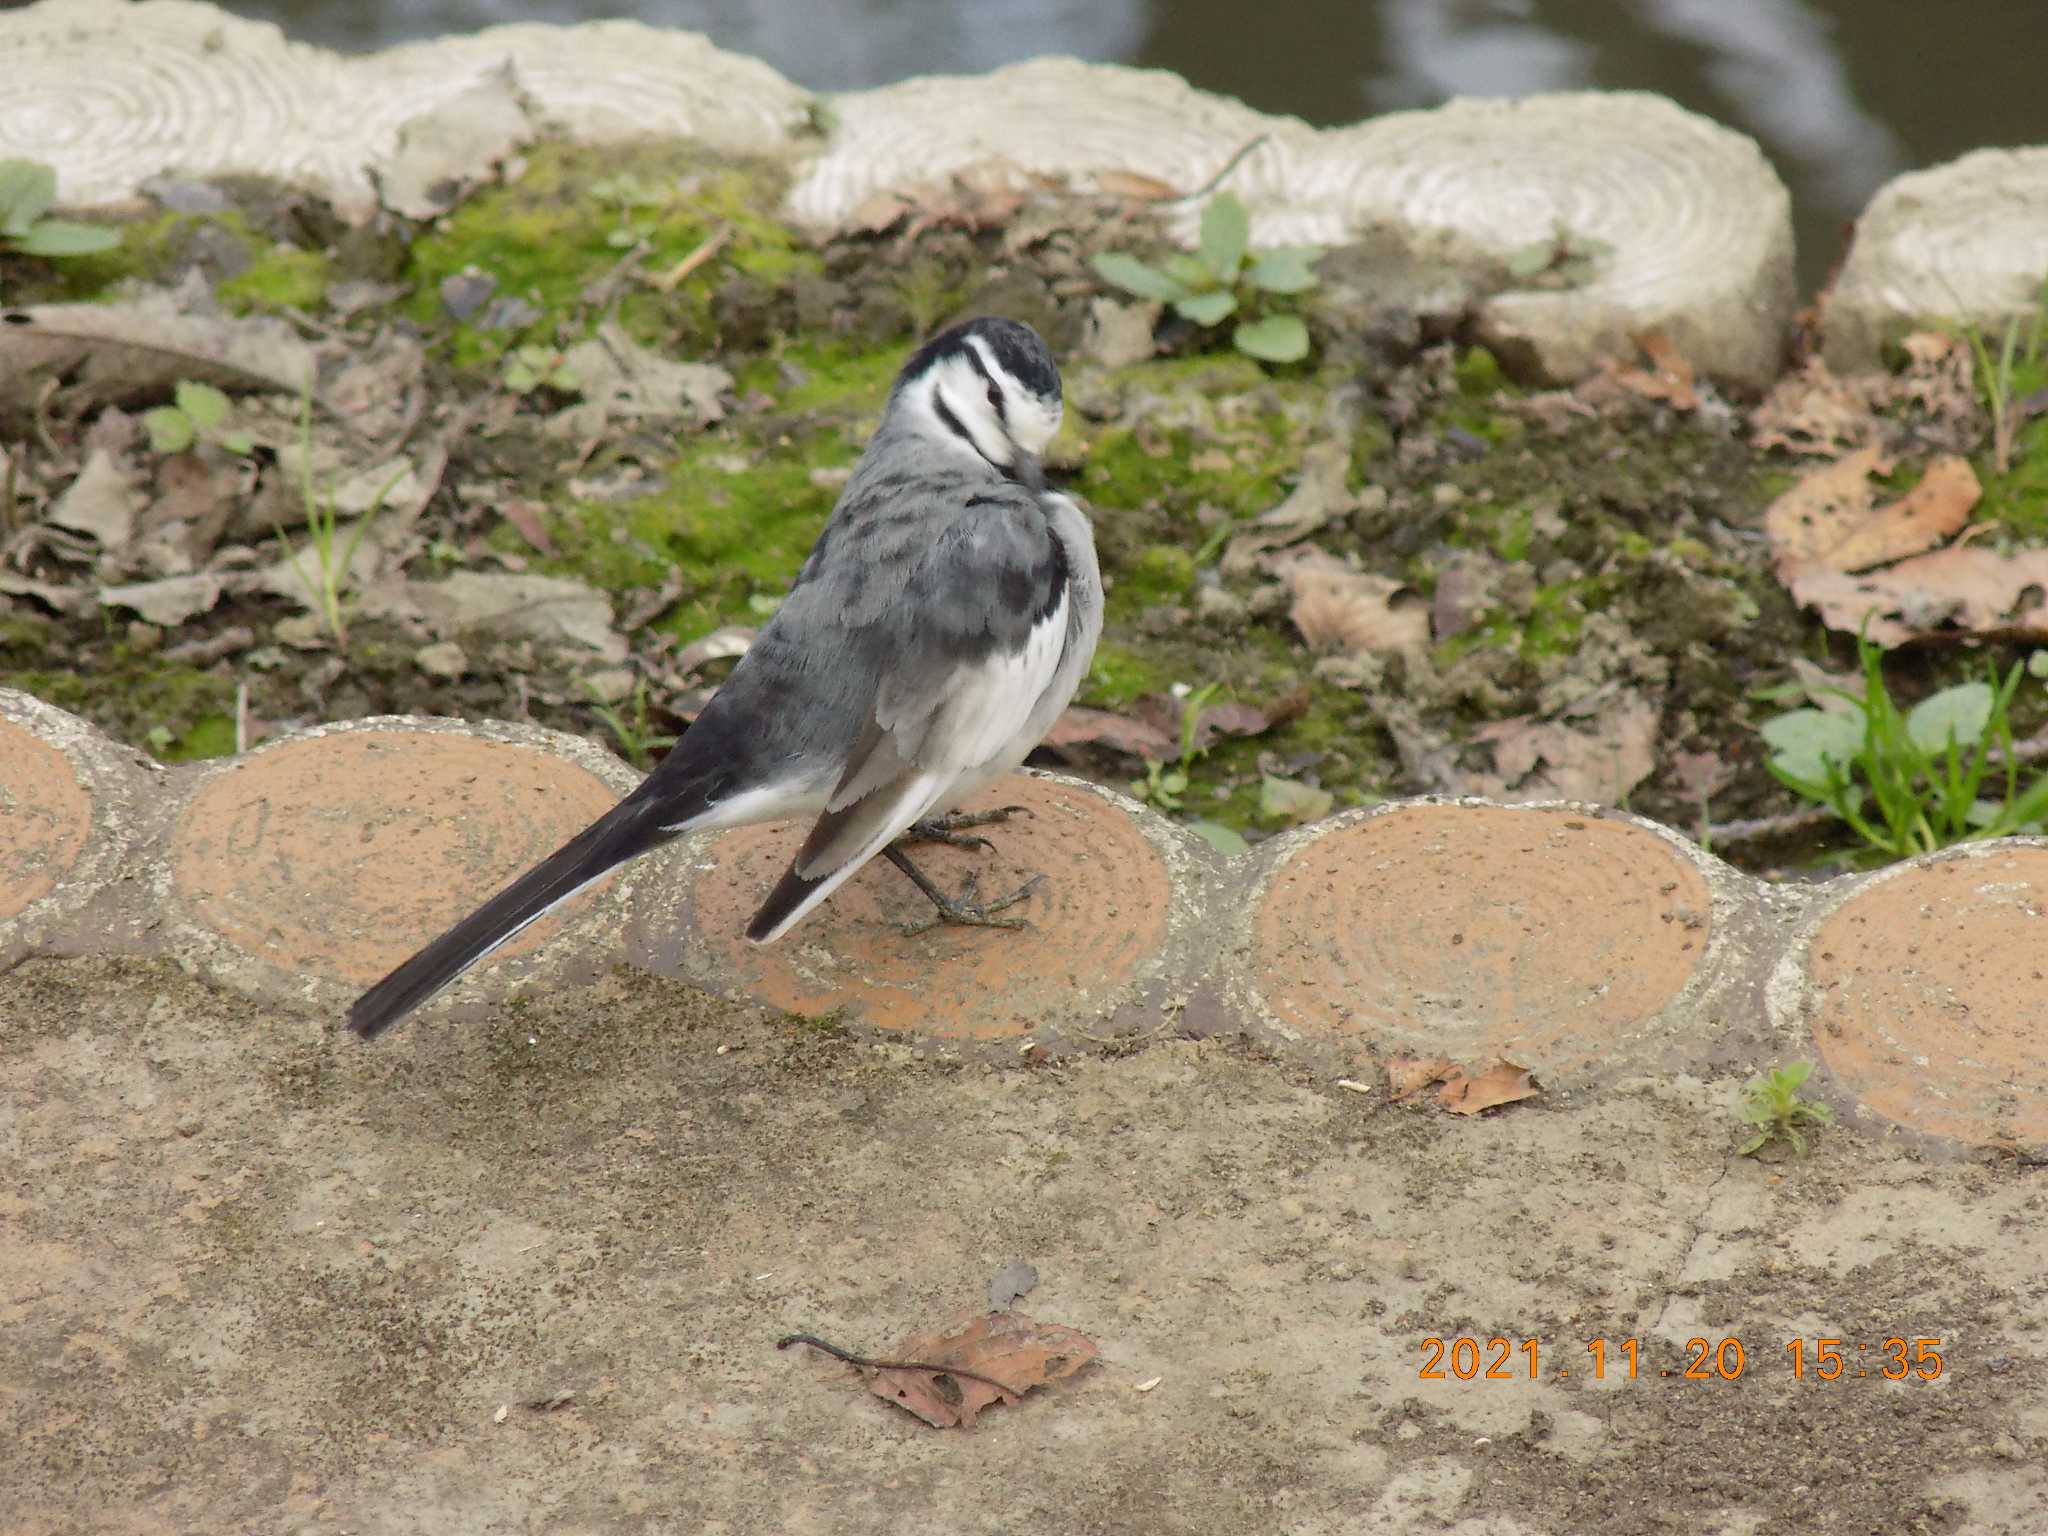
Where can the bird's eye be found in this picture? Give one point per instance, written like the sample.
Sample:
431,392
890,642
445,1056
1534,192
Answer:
995,395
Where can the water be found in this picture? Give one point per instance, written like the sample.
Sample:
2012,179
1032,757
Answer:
1842,94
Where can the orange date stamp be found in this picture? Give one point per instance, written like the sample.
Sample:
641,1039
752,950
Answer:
1467,1358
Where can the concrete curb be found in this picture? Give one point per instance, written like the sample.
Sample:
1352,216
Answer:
1581,942
1695,223
1962,243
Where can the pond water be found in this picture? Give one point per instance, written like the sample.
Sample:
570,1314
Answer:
1842,94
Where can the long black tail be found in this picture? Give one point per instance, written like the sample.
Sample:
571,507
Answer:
630,828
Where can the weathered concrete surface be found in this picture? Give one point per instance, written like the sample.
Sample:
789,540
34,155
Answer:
1694,224
1962,242
527,1275
522,1264
1583,943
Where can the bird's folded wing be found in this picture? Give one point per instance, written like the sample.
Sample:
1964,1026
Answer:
978,639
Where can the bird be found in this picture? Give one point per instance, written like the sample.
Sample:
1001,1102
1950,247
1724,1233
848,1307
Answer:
941,622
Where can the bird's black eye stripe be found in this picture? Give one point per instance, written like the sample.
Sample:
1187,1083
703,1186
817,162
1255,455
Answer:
952,422
995,390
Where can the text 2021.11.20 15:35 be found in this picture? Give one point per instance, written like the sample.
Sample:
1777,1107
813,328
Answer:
1465,1358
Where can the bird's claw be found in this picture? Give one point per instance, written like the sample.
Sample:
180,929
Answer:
948,829
964,911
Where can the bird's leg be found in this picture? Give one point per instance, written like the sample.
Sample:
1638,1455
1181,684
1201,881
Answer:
950,828
962,909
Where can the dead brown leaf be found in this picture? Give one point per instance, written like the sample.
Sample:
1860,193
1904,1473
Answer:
1827,520
1318,498
982,196
1936,507
1228,717
1810,411
1466,586
1964,589
1599,759
1081,726
1501,1083
1409,1075
1669,377
525,515
134,353
1342,612
947,1378
1133,186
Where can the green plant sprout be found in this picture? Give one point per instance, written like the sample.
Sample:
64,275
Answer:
28,190
1996,376
330,574
636,744
198,416
1564,260
1910,783
528,368
1224,277
1163,786
1771,1104
630,193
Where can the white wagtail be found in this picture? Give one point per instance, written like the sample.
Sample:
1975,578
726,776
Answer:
940,624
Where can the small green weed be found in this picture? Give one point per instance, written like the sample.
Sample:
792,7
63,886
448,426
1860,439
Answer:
1912,782
1163,786
200,415
1223,277
1565,260
1996,376
1772,1105
528,368
28,190
637,744
331,568
631,194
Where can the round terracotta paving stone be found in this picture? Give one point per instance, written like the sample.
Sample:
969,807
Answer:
1929,994
45,818
1097,921
340,854
1541,935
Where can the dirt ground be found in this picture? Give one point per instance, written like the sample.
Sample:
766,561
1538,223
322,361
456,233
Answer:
256,1276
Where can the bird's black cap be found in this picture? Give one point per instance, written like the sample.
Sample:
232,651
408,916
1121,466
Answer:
1018,348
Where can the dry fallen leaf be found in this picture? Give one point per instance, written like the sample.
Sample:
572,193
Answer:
1342,612
1133,186
1319,497
1964,589
1081,726
1598,759
1811,411
525,515
722,644
947,1378
1409,1075
1827,519
136,352
1669,377
1501,1083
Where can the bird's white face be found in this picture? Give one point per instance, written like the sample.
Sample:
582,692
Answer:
970,395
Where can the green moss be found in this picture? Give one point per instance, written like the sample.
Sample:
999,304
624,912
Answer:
553,233
1164,573
1122,673
831,376
210,736
1479,375
284,277
742,503
175,711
